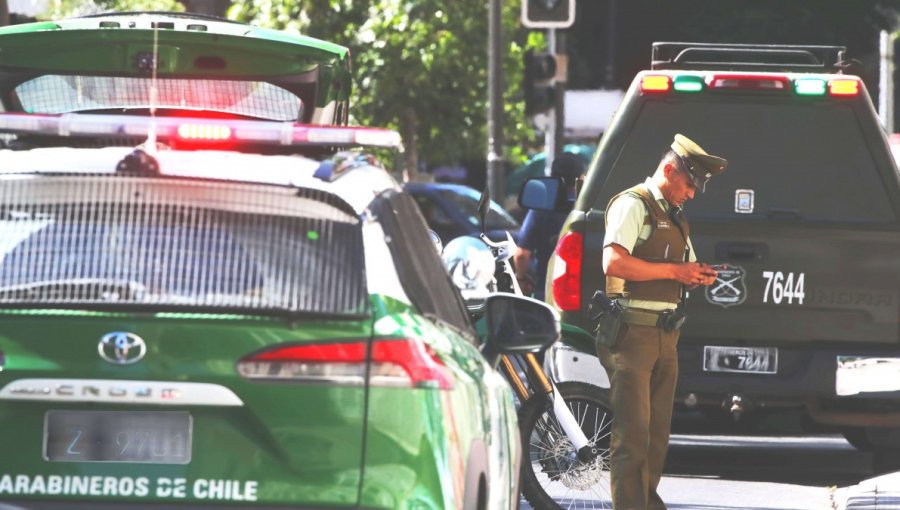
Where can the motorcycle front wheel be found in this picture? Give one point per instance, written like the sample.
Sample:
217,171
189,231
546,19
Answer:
552,475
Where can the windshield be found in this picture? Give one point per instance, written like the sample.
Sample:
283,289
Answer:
106,251
55,94
466,201
772,147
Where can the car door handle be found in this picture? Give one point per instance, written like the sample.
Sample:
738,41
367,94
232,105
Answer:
742,252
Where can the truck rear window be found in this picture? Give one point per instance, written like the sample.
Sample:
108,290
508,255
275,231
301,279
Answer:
803,162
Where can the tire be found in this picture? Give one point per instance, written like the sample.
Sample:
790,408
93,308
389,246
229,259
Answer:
545,474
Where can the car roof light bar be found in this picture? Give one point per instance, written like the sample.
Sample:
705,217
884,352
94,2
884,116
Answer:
209,132
197,129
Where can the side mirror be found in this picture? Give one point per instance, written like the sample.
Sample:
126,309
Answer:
518,325
541,193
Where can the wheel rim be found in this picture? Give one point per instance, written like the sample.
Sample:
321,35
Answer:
570,483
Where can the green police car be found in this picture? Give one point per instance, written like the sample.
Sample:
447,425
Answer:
211,328
172,63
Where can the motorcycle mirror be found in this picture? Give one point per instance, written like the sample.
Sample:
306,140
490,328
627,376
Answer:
484,205
517,325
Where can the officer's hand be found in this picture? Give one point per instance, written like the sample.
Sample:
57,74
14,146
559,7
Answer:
693,274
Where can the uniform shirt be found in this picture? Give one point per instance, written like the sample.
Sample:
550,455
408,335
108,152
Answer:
625,226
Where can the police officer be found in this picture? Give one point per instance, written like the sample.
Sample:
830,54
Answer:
540,230
649,263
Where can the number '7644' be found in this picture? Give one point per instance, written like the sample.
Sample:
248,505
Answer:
783,287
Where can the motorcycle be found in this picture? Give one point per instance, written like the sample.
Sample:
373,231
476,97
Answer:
565,427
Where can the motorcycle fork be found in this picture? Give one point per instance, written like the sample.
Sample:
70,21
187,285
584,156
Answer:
561,411
534,374
515,381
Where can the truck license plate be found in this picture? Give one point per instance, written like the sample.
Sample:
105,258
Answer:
753,360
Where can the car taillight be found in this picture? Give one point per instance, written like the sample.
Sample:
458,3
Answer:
396,362
567,271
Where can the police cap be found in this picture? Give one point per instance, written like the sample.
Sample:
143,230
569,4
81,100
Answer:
701,165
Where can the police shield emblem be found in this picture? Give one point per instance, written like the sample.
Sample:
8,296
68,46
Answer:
729,288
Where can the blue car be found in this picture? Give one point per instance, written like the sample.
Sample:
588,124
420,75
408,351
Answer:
451,210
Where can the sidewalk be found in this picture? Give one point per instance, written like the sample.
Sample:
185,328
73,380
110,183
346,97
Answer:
880,493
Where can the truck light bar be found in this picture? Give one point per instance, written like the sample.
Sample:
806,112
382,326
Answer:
655,83
748,82
197,130
802,85
688,83
810,86
846,87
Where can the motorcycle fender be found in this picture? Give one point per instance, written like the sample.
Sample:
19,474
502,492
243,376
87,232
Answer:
578,339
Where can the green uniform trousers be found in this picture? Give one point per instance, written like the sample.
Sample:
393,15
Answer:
643,369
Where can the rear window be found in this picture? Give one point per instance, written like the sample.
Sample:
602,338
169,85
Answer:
63,94
158,243
802,162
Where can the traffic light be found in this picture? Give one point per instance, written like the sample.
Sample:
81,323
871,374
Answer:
540,68
548,13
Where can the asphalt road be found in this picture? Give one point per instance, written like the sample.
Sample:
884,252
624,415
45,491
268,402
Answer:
781,469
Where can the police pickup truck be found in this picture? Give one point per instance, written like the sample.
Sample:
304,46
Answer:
806,219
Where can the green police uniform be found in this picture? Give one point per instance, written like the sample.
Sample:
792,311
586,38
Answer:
643,366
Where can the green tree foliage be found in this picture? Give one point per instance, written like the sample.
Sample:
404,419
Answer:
420,66
72,8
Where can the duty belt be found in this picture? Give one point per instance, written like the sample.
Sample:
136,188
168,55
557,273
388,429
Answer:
640,317
665,319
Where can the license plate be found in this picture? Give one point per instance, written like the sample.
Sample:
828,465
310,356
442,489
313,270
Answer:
118,436
753,360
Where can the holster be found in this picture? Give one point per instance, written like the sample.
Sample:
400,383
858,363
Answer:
608,324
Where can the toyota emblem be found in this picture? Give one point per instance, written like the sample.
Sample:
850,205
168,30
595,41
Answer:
122,348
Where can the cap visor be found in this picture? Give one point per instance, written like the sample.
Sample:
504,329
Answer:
700,185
